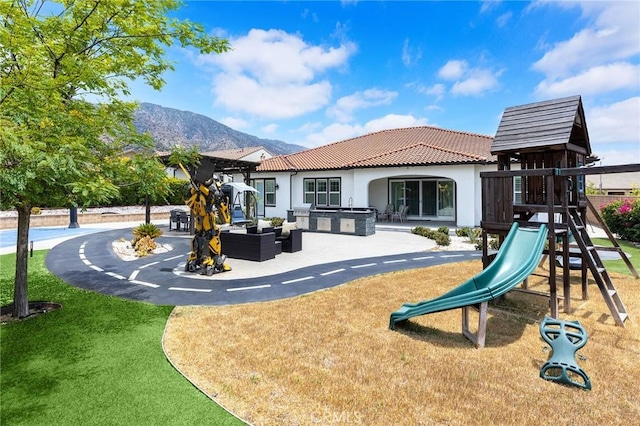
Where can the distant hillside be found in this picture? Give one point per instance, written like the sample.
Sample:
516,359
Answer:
170,127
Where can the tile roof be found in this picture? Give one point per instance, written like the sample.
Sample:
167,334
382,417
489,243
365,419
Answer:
414,146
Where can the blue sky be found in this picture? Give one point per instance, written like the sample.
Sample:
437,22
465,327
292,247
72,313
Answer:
313,73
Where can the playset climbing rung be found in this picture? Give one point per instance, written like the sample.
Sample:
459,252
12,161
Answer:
599,272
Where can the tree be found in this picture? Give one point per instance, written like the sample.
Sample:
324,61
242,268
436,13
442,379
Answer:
65,68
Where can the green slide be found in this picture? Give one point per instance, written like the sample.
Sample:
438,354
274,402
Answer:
517,258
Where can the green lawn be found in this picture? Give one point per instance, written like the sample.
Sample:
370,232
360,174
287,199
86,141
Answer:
619,265
96,361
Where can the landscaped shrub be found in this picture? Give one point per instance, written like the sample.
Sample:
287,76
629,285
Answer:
143,238
439,237
145,230
177,191
623,218
144,246
494,243
473,234
128,196
443,230
463,232
421,230
275,221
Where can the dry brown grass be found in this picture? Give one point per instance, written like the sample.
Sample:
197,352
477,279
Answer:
329,358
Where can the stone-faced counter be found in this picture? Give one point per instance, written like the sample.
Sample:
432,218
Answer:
343,221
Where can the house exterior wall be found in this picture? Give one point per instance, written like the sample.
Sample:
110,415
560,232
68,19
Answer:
614,183
369,187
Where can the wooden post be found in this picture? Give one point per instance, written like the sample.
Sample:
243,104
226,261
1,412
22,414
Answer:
566,271
553,292
479,337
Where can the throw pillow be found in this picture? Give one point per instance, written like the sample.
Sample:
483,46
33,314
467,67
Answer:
263,224
287,227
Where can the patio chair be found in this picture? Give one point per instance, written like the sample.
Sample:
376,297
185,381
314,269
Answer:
386,214
185,221
174,218
401,214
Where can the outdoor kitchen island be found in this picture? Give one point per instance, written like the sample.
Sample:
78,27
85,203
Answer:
351,221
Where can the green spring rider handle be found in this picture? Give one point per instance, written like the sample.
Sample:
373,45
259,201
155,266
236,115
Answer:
565,338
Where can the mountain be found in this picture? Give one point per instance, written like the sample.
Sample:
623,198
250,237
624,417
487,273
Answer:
170,127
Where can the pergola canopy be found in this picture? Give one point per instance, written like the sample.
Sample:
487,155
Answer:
210,165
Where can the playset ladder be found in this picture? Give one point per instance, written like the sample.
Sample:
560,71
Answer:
599,272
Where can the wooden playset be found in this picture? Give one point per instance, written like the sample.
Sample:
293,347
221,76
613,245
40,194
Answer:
543,155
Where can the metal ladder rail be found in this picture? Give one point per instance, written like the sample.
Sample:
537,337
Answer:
599,272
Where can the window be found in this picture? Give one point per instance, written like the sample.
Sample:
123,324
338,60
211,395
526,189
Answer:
517,189
334,192
270,192
309,191
322,192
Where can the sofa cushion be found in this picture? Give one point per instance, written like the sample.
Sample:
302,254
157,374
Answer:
287,227
264,224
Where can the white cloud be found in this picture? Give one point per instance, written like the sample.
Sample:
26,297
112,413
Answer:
615,123
434,108
476,82
596,80
468,81
488,5
242,94
338,131
274,74
410,55
453,70
393,121
308,127
235,123
438,90
614,36
332,133
269,129
307,13
623,154
504,19
345,106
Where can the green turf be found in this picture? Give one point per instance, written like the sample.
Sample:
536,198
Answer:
96,361
619,265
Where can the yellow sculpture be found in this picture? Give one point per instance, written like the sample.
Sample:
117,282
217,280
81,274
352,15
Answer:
206,202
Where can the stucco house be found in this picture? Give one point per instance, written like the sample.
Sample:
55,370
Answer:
433,171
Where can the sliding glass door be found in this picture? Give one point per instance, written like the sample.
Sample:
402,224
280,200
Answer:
429,198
